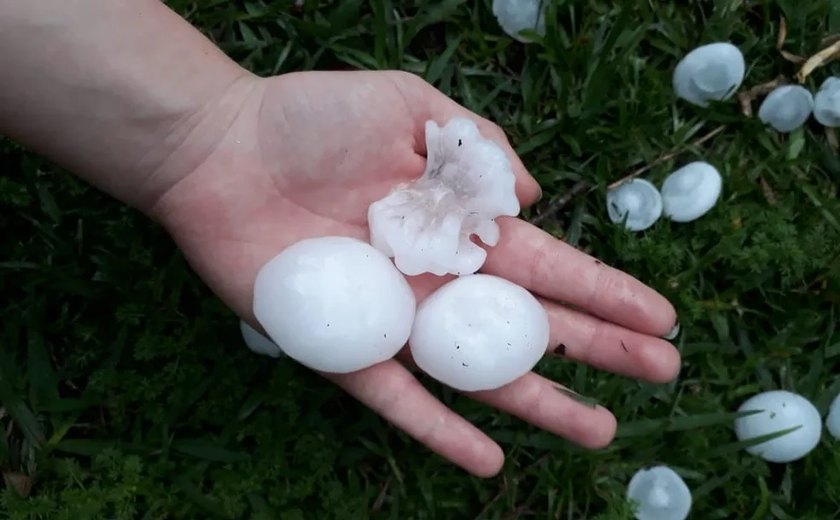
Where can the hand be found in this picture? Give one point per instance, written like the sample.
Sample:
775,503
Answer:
304,154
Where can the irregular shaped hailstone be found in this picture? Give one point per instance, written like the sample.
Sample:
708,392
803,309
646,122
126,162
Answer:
786,108
710,72
827,103
832,420
515,16
780,410
257,342
426,225
334,304
638,201
479,332
660,494
691,191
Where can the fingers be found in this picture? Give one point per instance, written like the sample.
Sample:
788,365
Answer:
607,346
534,259
542,403
392,392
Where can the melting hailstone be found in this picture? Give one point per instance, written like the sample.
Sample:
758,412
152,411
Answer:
832,420
691,191
258,343
780,410
659,493
515,16
786,108
638,201
426,225
710,72
334,304
479,332
827,103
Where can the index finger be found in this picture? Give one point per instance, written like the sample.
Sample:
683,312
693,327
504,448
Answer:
532,258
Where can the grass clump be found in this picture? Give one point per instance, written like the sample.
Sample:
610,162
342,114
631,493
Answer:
127,391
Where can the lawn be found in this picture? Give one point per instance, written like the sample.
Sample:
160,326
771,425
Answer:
127,391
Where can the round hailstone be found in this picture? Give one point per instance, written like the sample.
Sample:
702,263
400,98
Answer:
257,342
832,420
479,332
786,108
710,72
660,494
334,304
636,200
691,191
426,225
827,103
515,16
780,410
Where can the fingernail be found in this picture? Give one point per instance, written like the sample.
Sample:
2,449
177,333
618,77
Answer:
674,331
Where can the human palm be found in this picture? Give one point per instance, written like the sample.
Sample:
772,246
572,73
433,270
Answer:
304,155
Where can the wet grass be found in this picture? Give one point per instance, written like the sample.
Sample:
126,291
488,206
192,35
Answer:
127,393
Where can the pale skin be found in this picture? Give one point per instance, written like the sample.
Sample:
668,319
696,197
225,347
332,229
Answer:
235,167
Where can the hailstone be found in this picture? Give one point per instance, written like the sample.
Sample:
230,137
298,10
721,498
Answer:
780,410
660,494
515,16
713,71
636,203
426,225
479,332
334,304
786,108
258,343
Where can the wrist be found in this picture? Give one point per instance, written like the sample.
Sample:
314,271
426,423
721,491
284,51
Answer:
112,91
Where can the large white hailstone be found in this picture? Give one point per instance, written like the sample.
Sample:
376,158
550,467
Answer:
426,225
691,191
636,203
710,72
786,108
479,332
780,410
832,420
827,103
334,304
659,494
515,16
258,343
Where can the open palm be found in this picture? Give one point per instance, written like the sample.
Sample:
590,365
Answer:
304,155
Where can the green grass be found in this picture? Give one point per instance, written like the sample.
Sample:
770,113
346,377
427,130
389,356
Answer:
127,392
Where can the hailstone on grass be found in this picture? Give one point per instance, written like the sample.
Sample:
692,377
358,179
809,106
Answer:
334,304
780,410
827,103
786,108
515,16
426,225
257,342
479,332
659,494
710,72
636,203
691,191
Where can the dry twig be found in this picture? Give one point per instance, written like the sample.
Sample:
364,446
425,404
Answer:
559,202
818,60
780,42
